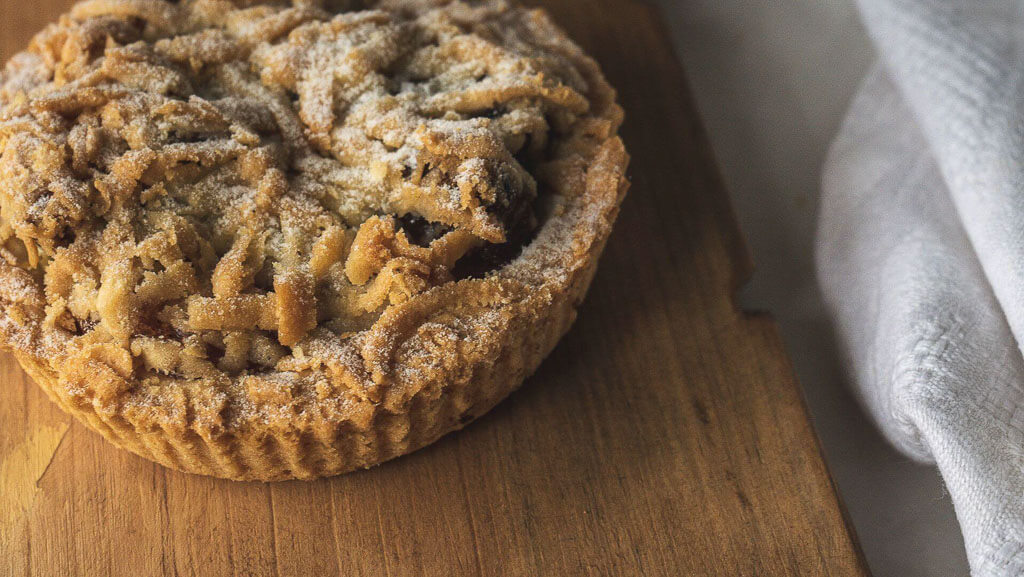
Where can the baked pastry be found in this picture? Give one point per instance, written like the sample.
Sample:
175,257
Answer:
271,240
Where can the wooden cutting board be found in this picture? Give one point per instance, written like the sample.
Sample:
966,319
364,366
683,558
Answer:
665,436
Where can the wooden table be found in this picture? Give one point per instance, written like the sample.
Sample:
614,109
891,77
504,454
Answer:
665,436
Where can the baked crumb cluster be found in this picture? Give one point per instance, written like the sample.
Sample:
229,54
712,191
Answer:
212,187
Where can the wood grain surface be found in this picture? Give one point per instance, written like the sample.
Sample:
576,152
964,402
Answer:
665,435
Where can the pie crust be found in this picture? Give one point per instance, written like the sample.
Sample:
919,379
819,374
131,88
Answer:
268,240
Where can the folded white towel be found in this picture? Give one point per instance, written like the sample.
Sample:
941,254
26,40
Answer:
921,253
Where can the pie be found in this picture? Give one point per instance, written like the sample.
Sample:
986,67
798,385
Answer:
268,240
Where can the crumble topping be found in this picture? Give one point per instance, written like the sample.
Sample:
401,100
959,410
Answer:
212,186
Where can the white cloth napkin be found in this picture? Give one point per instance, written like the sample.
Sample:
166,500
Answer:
921,253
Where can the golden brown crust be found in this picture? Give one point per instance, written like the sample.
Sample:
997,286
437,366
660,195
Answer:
208,254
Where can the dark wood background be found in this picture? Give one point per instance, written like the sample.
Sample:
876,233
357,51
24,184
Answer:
665,436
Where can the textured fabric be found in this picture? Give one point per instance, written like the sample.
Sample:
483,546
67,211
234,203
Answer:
921,253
